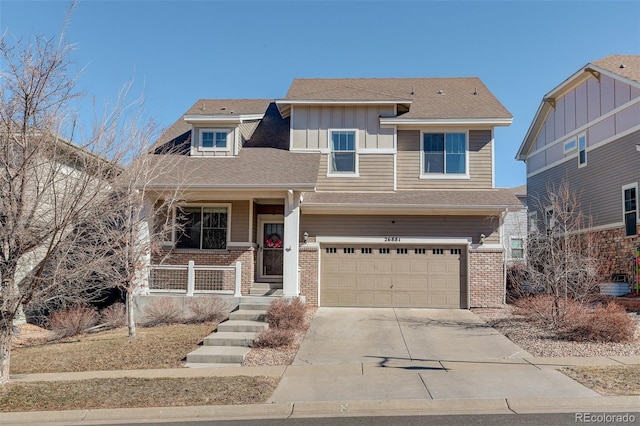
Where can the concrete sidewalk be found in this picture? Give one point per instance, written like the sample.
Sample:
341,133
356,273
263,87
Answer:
357,378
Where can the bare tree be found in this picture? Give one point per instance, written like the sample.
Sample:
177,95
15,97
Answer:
562,257
72,215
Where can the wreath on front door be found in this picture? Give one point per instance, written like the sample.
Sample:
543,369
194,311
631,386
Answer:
273,241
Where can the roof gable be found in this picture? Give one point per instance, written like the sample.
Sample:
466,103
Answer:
610,65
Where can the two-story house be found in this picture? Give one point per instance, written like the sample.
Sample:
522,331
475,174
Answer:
369,192
587,132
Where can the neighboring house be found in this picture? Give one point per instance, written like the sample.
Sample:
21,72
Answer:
349,192
514,234
587,131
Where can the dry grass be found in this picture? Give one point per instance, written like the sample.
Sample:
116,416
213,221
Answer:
157,347
136,392
613,380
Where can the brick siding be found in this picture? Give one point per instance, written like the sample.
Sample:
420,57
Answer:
308,265
486,274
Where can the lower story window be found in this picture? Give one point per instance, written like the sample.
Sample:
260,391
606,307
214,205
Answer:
630,210
202,228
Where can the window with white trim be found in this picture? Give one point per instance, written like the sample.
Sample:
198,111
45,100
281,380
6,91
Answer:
570,145
202,228
582,150
343,151
214,140
630,209
517,248
549,217
533,221
444,153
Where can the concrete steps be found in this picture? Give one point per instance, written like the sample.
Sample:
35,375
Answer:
266,289
232,341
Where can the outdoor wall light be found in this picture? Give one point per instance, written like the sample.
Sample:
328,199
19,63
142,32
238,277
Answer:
482,237
305,237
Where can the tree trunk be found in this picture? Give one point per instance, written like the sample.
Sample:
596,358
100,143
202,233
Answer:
131,323
6,333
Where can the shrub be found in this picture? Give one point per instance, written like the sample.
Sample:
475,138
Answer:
602,323
162,311
273,338
287,315
114,316
73,320
537,308
207,309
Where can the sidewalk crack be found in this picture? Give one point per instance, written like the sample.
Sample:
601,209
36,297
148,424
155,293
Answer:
425,386
293,407
402,334
615,360
531,363
506,401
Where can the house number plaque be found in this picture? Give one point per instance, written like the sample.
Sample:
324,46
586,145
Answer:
389,239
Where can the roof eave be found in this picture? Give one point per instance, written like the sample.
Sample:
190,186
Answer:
226,118
352,208
506,121
238,186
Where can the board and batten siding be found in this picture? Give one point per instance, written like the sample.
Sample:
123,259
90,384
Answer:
401,226
480,163
375,173
573,112
598,184
310,125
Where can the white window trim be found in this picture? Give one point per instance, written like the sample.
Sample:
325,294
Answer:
511,238
573,148
586,157
227,131
174,240
532,222
546,215
444,175
356,172
633,185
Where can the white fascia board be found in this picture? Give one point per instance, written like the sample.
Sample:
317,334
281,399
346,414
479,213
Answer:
341,102
235,187
403,240
448,121
239,118
534,126
409,209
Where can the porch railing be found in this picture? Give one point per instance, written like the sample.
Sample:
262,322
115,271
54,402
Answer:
191,279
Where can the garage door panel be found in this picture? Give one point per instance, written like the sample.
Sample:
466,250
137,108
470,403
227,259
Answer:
393,277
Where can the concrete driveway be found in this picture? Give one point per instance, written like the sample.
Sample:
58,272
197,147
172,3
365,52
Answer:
354,354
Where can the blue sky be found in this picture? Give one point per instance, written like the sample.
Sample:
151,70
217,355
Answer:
179,52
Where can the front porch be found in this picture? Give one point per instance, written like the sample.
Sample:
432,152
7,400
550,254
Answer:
229,244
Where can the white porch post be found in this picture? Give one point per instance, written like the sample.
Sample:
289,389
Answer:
291,243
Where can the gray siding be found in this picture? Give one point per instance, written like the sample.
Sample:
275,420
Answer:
598,184
401,226
409,151
515,226
375,174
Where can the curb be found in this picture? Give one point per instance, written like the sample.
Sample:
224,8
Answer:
605,404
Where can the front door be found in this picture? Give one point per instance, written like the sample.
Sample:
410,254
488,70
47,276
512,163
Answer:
270,254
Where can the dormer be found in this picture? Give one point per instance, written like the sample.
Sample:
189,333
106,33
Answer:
219,127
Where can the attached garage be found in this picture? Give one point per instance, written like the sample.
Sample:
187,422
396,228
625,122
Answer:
393,276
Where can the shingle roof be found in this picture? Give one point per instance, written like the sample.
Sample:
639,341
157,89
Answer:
489,199
431,98
627,66
257,167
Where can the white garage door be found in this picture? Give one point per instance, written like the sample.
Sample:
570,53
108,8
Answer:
412,276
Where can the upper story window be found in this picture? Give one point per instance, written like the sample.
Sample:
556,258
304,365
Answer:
444,154
343,151
582,150
517,248
214,140
202,227
630,209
